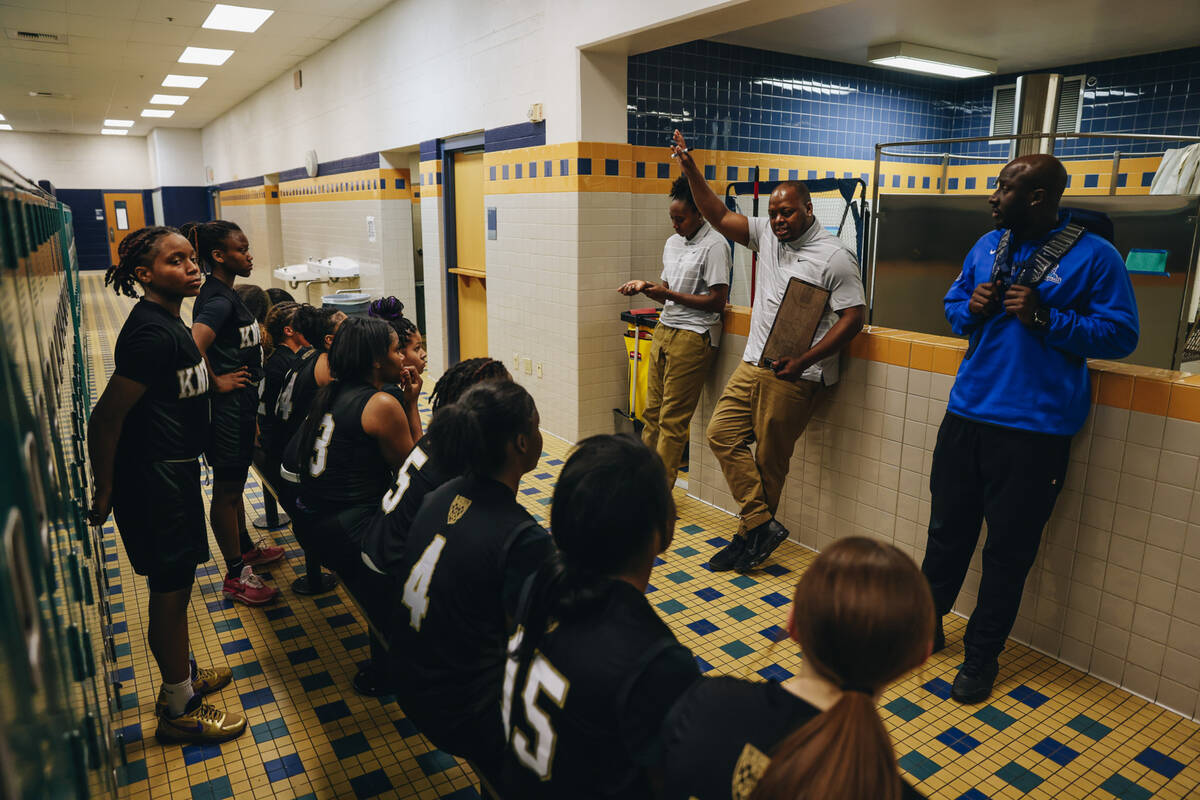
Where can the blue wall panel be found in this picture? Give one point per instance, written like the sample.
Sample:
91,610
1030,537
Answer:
91,234
184,204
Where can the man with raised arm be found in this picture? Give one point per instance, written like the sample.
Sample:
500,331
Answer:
1038,296
771,407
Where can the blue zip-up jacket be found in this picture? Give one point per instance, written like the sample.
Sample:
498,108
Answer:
1035,380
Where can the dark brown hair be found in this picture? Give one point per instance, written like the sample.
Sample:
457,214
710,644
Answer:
138,249
863,616
281,315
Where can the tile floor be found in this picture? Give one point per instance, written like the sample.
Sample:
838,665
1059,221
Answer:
1049,731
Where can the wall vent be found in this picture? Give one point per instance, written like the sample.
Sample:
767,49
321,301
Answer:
1070,107
37,37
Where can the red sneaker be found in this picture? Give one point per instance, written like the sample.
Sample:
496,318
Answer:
249,588
262,553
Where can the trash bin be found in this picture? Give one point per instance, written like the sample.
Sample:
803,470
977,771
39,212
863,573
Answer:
352,303
638,333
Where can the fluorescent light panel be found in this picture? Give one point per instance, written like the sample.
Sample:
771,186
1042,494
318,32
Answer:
114,132
236,18
1,117
184,81
169,99
118,123
930,60
158,112
5,127
205,55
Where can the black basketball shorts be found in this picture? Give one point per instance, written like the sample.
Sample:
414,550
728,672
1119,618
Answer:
160,517
231,433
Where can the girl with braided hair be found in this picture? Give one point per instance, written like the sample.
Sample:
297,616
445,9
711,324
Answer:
230,340
145,437
391,310
288,349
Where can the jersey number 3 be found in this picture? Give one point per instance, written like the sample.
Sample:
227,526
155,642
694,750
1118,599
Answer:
321,446
416,588
542,678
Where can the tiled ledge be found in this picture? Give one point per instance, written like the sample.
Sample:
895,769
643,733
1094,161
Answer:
1165,393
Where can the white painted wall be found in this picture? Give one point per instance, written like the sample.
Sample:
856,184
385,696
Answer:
72,161
175,157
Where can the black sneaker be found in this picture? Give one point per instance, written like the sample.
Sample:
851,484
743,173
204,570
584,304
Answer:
762,542
974,681
725,558
939,637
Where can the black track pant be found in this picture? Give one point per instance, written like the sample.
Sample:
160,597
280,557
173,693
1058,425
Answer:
1010,478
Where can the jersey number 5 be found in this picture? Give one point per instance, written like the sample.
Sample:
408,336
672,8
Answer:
416,459
416,588
542,678
321,446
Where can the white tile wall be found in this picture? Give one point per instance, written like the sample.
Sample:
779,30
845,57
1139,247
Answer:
260,223
1115,590
435,293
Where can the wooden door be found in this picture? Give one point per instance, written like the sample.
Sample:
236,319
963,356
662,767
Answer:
124,214
471,268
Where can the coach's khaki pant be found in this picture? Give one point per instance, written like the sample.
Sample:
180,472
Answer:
679,363
758,407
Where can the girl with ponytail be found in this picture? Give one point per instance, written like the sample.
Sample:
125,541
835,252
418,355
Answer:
412,344
863,617
592,670
469,550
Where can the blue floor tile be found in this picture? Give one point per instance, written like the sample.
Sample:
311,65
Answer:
405,728
906,710
740,613
737,648
692,529
775,672
1159,762
990,715
1056,751
776,570
356,641
708,594
269,730
131,733
278,613
744,582
280,768
671,606
351,745
226,625
223,604
123,649
256,698
703,665
302,656
318,680
327,601
972,794
289,633
236,646
123,674
1028,696
338,620
702,627
774,633
332,711
216,789
195,753
249,670
1020,777
957,740
1125,789
918,765
371,784
133,772
1089,727
679,576
435,761
776,599
717,541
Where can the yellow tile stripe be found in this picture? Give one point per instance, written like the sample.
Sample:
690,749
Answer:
430,173
367,184
250,196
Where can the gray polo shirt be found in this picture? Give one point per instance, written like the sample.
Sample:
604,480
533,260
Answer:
694,266
818,257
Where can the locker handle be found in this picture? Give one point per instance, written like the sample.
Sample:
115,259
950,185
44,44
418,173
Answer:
76,647
74,568
89,658
91,740
89,596
79,760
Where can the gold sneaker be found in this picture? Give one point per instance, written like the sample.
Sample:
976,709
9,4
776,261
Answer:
205,680
201,724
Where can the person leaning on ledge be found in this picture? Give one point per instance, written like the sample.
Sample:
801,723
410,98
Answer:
772,407
1038,297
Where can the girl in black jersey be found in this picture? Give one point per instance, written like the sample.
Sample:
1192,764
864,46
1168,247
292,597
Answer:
425,469
469,550
592,670
229,338
288,346
391,310
145,437
863,617
354,437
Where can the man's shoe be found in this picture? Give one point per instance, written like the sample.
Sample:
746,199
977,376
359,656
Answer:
248,588
200,724
725,559
974,681
262,553
762,541
939,637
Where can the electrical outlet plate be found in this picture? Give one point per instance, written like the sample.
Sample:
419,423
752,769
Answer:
516,360
539,369
527,366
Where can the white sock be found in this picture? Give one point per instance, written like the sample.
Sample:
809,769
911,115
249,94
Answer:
178,695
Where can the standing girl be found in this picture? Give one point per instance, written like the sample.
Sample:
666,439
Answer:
863,617
145,437
288,347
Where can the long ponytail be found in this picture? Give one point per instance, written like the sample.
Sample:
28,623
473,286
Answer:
864,616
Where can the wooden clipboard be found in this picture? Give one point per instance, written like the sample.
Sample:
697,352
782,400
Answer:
795,324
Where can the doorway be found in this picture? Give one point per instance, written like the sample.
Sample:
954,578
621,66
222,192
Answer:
468,266
123,214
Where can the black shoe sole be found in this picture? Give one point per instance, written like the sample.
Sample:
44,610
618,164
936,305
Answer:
973,698
761,556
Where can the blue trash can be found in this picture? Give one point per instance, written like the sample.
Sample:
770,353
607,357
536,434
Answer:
353,304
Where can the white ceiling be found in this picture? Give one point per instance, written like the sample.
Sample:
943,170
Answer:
1020,34
119,51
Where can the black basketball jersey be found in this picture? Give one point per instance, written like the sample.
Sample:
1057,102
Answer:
386,537
584,716
295,398
720,736
238,341
345,467
275,372
170,421
469,550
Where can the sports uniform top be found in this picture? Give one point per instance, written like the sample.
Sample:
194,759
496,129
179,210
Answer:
238,341
385,540
469,551
345,467
720,736
169,422
295,398
583,718
275,371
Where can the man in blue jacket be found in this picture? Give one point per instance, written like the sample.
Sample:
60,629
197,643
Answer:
1037,297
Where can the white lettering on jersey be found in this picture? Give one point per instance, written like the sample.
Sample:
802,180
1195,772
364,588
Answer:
193,381
250,335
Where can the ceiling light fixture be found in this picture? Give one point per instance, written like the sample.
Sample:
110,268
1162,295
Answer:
918,58
114,132
1,117
205,55
158,112
184,81
118,123
236,18
5,127
169,99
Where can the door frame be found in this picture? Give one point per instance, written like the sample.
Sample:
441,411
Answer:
457,144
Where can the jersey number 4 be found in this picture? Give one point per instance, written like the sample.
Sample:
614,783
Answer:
416,459
321,446
416,588
542,678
